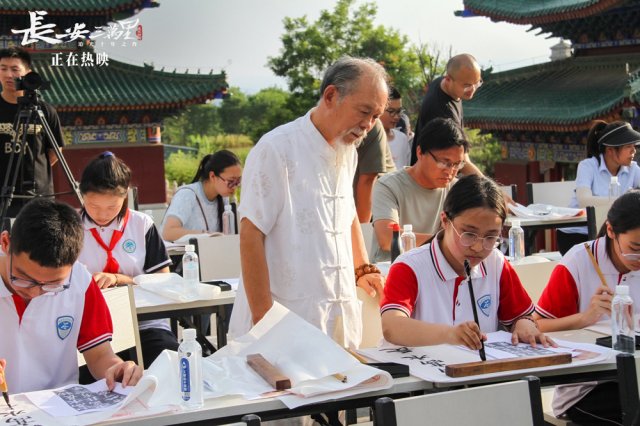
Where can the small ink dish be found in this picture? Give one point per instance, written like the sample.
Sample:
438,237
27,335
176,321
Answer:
541,209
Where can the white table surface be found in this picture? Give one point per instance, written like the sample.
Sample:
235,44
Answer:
524,222
147,302
219,408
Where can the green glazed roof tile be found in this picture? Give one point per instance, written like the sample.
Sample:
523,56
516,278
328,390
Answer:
532,11
71,5
120,85
567,92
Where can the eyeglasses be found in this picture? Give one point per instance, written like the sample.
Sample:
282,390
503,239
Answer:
468,239
470,87
447,165
631,257
232,183
394,112
27,283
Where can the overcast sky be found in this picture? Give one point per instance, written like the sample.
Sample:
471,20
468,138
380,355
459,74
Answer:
239,35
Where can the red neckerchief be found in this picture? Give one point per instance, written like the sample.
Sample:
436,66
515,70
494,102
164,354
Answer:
112,265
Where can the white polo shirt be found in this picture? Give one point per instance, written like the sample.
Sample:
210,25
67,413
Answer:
139,251
39,340
423,285
574,281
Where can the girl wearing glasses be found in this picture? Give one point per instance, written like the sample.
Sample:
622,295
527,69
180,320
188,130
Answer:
197,208
575,297
426,298
120,243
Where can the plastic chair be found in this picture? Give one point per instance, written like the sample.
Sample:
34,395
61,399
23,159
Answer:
534,276
219,256
510,190
553,193
596,216
515,403
122,307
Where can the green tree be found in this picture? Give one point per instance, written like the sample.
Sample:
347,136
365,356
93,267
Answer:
485,150
266,110
308,48
195,120
232,111
180,167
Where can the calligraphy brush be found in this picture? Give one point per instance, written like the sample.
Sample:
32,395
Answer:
5,390
467,268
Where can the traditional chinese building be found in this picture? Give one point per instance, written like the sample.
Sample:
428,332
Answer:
541,113
103,103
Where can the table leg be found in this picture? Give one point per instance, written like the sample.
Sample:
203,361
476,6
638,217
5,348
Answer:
221,332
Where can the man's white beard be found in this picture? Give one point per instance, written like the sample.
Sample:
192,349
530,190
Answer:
343,151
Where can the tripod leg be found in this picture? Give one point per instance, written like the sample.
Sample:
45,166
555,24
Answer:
21,126
63,163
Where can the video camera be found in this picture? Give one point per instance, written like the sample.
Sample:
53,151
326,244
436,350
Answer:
31,82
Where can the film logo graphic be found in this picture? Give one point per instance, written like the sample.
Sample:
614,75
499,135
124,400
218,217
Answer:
122,33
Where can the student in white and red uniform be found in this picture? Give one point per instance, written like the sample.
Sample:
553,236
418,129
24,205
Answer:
426,299
120,243
50,306
576,298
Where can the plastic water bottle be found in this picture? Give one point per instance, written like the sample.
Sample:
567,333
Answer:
228,221
623,335
395,241
190,270
516,241
614,188
190,358
408,238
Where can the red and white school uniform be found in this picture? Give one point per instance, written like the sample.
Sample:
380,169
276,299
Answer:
139,250
39,340
423,285
572,284
574,281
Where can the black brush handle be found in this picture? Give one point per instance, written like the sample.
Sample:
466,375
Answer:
467,268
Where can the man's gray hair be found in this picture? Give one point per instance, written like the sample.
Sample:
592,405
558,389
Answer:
346,72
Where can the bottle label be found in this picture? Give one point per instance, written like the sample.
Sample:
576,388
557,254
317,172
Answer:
185,379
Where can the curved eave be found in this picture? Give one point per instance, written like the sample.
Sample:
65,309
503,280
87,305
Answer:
66,8
544,14
555,96
550,118
120,86
138,107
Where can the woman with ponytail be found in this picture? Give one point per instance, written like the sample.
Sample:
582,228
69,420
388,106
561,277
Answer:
610,151
197,208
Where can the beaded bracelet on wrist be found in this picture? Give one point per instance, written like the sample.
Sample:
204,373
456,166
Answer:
366,269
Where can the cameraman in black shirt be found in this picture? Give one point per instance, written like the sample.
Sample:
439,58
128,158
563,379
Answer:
34,177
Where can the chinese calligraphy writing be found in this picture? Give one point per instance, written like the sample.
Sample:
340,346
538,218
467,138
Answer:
38,31
82,59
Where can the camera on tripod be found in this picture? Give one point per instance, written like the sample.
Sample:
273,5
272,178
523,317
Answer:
31,81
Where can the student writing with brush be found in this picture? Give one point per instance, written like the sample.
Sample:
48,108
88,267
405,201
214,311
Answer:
426,297
579,294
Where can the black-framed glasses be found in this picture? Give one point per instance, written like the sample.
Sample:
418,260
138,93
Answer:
468,239
27,283
394,112
631,257
233,182
447,165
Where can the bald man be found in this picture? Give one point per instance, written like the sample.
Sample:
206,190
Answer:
444,99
